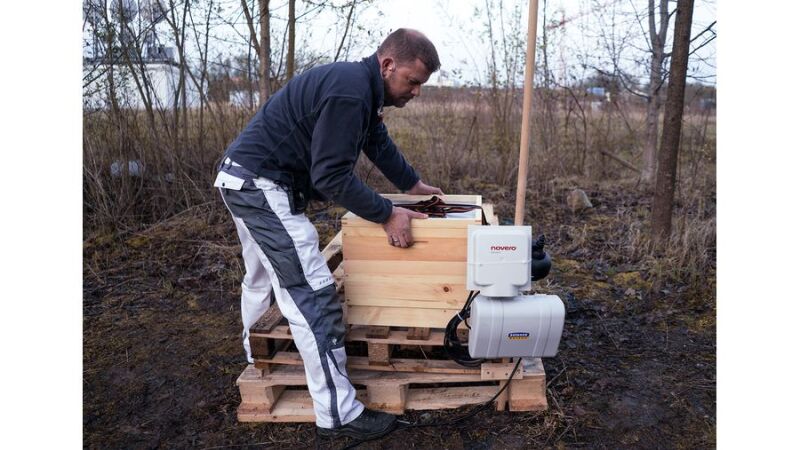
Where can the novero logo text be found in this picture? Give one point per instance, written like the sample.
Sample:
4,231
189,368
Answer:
503,248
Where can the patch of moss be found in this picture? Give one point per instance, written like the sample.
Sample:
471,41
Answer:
138,241
632,279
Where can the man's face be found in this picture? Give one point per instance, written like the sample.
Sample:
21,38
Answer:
402,82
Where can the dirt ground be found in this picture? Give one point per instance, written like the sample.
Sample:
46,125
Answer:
636,367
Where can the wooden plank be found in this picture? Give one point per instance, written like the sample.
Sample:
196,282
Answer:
333,252
431,222
377,248
395,364
280,332
287,375
401,268
393,316
368,301
417,287
338,278
269,320
420,233
488,211
448,397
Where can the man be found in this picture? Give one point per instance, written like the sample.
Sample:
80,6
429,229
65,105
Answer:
303,143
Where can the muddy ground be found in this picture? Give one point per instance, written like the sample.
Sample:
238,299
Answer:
162,351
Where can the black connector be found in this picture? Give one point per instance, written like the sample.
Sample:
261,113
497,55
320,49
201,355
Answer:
540,259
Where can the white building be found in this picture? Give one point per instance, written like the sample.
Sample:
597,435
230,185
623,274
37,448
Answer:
158,81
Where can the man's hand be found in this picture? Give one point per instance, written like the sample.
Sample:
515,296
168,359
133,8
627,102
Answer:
423,189
398,227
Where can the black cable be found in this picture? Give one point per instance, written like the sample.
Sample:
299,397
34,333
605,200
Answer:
452,344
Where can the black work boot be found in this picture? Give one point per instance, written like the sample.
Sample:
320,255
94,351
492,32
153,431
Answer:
369,425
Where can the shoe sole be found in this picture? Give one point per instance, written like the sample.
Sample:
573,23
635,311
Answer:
328,433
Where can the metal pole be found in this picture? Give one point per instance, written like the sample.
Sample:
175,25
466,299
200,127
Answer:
530,60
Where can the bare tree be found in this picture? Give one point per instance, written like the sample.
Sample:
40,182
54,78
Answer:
178,27
261,47
657,43
507,50
673,117
265,89
290,51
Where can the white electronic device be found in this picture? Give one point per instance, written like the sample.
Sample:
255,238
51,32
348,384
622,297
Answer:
504,323
499,260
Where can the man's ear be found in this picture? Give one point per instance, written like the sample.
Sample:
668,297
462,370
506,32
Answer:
387,64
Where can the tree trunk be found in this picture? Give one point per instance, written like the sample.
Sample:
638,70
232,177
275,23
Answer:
290,51
183,80
673,115
265,90
657,44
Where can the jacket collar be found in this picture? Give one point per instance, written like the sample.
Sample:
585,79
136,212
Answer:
376,82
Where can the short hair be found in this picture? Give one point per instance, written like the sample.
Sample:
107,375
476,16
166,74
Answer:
405,45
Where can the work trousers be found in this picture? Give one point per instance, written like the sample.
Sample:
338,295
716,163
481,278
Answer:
282,261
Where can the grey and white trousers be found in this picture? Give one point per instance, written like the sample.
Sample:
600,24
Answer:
282,260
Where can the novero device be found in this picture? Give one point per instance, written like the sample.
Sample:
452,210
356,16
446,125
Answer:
502,262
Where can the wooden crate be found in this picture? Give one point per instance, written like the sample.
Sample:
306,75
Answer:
274,388
420,286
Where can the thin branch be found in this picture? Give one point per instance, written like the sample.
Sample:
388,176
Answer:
253,36
346,28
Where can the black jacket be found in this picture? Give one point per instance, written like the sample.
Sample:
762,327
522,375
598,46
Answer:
311,131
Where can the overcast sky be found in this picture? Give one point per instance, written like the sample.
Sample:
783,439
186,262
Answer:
456,29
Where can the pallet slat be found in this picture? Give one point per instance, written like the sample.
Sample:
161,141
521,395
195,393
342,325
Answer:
377,248
418,317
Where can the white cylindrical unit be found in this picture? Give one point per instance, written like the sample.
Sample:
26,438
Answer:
525,325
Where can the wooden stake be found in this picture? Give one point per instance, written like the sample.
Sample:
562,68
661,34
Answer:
530,59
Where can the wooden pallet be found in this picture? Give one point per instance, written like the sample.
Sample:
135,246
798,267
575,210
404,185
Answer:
279,395
394,369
